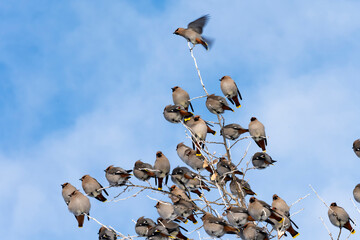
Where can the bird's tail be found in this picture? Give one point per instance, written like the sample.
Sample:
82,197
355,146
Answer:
236,101
208,41
80,220
293,232
349,227
101,198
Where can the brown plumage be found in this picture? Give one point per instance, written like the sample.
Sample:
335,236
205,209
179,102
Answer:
193,32
92,188
257,132
181,98
216,104
230,90
79,205
162,167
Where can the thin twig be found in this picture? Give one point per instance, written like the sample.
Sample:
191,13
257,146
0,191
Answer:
299,200
197,68
322,220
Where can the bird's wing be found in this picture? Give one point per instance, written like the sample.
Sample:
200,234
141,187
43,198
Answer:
198,24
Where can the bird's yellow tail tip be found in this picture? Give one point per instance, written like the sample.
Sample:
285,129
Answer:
159,188
281,220
198,154
296,235
353,231
238,106
195,222
186,119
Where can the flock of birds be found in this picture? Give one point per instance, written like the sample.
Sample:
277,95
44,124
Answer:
241,220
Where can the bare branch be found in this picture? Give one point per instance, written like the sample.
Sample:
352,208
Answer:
327,229
198,71
300,199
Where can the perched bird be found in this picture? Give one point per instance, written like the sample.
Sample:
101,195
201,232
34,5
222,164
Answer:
185,209
261,211
92,188
181,98
232,131
340,218
262,160
199,129
175,113
117,176
178,194
217,104
280,205
356,193
159,232
356,147
143,171
217,227
230,90
189,180
193,32
284,226
237,216
188,156
67,189
79,205
143,225
173,228
167,211
257,132
240,188
226,168
252,232
106,234
162,167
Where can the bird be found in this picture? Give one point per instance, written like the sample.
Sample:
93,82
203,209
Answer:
217,227
226,168
356,147
261,211
166,211
106,234
190,158
79,205
175,113
185,209
230,90
280,205
282,209
143,171
181,98
284,226
143,225
173,228
232,131
240,188
67,189
92,188
177,193
186,179
237,216
162,167
117,176
199,129
216,104
356,193
262,160
252,232
193,32
158,232
339,217
257,132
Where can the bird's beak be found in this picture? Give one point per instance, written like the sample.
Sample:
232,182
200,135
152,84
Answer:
80,179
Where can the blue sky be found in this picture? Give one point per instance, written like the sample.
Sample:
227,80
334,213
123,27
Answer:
83,85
